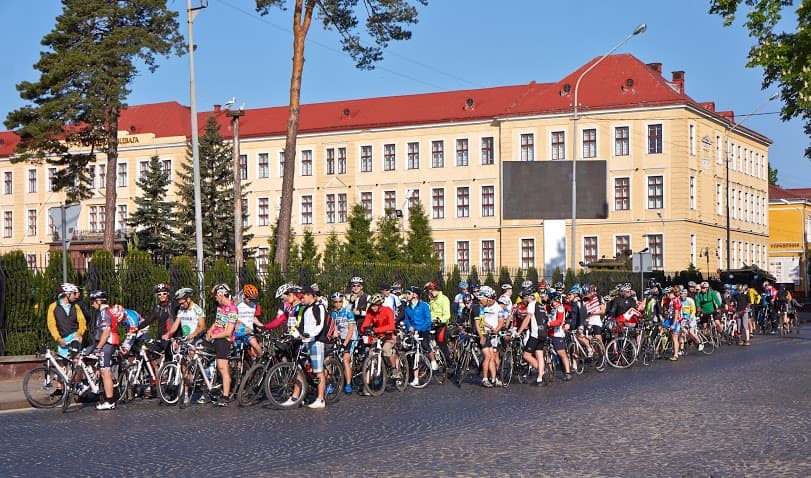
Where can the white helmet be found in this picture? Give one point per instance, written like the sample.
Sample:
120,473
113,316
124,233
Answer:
68,288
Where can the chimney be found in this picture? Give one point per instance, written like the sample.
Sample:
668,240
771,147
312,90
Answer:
217,108
657,67
678,81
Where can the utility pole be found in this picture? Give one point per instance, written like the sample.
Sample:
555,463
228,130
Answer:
235,115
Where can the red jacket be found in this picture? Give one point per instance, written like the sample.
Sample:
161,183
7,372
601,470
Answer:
382,321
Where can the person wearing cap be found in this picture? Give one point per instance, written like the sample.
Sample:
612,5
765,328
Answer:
535,321
358,299
389,300
105,338
346,330
66,321
418,318
440,308
457,303
557,334
315,329
490,323
221,333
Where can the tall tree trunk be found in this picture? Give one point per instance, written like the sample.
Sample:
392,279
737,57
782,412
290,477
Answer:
301,24
111,181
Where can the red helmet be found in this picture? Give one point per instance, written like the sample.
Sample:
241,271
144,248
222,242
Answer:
429,286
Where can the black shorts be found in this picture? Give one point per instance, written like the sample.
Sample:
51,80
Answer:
595,330
533,344
222,348
558,343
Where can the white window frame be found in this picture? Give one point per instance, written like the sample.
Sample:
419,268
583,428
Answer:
518,136
481,254
521,252
620,234
664,192
614,140
583,246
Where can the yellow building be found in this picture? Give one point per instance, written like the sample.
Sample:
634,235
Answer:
789,229
661,152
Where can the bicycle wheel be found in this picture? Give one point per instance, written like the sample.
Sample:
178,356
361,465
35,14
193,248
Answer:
250,389
598,359
505,368
280,384
549,367
577,358
461,369
442,372
375,374
235,366
335,379
709,345
170,383
620,352
401,384
121,385
43,387
419,369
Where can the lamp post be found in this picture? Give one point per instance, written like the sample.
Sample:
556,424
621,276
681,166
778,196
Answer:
726,168
641,28
191,13
235,115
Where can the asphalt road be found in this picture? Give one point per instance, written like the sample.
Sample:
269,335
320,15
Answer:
743,411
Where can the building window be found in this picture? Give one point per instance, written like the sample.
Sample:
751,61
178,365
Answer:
732,205
438,154
330,161
8,183
92,219
263,212
51,226
263,166
718,158
719,202
306,209
438,203
488,256
414,198
527,253
167,168
366,200
488,201
622,245
281,164
122,218
307,162
590,143
102,169
558,145
590,249
654,139
246,218
463,202
622,141
330,209
49,185
262,258
143,168
32,180
462,155
463,256
439,253
343,207
692,139
389,157
389,201
31,231
488,155
657,249
366,159
413,155
740,202
719,248
243,167
341,160
31,261
656,192
527,147
622,194
91,175
8,223
692,192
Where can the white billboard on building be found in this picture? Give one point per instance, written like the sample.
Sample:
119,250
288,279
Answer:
786,270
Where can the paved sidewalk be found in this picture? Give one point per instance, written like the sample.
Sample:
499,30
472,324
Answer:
11,395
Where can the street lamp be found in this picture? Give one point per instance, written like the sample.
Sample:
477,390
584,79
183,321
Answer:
726,168
235,115
641,28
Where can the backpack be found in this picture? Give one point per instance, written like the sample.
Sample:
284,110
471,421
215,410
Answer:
328,330
782,296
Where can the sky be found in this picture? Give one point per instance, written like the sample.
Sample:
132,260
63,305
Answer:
457,44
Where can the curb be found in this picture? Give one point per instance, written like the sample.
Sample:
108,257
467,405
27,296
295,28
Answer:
15,405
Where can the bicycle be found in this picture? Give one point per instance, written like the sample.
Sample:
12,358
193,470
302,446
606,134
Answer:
44,386
284,378
251,388
621,352
469,355
441,374
417,362
84,378
377,369
141,374
579,356
506,364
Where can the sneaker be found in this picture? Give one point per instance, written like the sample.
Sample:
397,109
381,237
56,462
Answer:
747,343
539,381
184,401
590,353
498,383
681,353
567,377
701,346
674,359
434,366
223,402
202,399
486,383
348,389
415,382
105,406
317,404
56,393
289,403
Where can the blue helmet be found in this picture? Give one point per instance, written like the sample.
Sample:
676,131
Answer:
463,284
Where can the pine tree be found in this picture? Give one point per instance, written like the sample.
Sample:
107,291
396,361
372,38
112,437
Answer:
154,219
473,277
333,252
419,248
358,238
388,240
309,251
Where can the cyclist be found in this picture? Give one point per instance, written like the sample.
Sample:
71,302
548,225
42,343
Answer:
249,312
221,333
105,338
132,322
594,319
397,290
190,318
458,299
164,313
381,320
315,329
66,321
708,304
347,331
507,291
287,315
742,306
577,309
672,313
535,321
418,319
389,300
783,298
358,298
754,306
688,323
557,333
440,308
490,324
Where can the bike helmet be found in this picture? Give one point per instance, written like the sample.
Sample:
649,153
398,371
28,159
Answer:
396,286
429,286
558,285
705,285
221,289
414,289
98,295
467,298
542,284
285,289
504,300
376,299
554,296
527,291
526,284
161,288
487,292
463,284
250,291
575,289
68,288
316,289
647,293
506,286
184,293
336,296
356,280
668,290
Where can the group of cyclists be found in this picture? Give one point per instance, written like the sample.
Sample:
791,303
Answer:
541,316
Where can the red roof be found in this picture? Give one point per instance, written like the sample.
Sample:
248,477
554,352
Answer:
619,81
8,141
789,194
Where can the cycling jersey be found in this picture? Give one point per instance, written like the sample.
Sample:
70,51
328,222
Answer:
189,319
226,314
440,308
489,316
556,322
342,318
593,317
105,321
247,313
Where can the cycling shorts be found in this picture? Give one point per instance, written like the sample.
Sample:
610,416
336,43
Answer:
595,330
105,357
558,343
689,323
70,338
490,341
223,348
674,329
533,344
388,348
